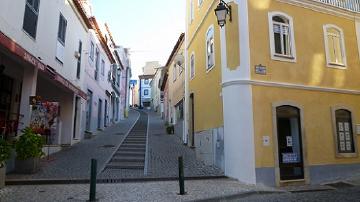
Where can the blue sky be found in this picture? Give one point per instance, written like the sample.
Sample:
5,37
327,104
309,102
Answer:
150,28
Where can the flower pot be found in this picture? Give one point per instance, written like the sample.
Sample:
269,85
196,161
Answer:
28,166
2,177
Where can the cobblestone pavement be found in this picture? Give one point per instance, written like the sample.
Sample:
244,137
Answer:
339,195
74,162
148,191
163,152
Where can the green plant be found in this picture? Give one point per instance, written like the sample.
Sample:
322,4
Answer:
29,145
5,152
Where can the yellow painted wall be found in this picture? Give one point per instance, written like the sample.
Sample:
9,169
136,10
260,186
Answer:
310,68
205,86
176,87
319,135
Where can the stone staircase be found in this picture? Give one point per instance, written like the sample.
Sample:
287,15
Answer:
131,153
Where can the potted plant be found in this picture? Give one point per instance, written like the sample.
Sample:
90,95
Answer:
28,152
170,129
5,152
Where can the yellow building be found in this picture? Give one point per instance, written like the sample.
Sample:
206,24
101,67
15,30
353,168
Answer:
281,80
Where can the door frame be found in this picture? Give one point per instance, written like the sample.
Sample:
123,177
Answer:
192,121
306,179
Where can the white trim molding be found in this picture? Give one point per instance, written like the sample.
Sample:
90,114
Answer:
274,55
342,47
192,69
289,85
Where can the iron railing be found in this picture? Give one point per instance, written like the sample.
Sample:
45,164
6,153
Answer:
350,5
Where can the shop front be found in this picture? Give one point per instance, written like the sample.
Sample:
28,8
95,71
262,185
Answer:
34,94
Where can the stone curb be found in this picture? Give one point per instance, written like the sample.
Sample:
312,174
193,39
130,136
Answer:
239,195
102,181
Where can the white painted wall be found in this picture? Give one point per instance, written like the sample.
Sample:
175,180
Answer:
44,47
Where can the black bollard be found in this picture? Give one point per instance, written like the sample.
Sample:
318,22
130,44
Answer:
93,180
181,175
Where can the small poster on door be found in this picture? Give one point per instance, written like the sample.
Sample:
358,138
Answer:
346,126
290,158
341,126
289,141
341,136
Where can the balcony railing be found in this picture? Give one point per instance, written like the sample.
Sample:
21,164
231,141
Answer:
350,5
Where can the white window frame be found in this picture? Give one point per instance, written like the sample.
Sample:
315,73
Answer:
191,12
207,37
343,50
274,55
192,67
354,136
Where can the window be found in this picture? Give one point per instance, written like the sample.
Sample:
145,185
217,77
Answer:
191,11
192,65
146,92
102,67
97,60
343,132
146,81
62,29
334,46
31,17
282,43
78,69
200,2
174,73
92,47
210,52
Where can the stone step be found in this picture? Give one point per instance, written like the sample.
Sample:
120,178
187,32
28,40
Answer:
121,149
136,136
133,145
125,165
128,159
134,142
129,153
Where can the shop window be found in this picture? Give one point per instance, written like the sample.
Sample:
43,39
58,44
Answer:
31,17
282,42
210,52
344,134
334,46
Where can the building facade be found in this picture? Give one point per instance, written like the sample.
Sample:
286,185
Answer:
157,102
39,57
149,70
287,90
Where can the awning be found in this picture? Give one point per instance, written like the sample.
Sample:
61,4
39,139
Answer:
19,51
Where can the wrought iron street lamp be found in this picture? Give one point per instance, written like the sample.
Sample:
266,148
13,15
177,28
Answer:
221,11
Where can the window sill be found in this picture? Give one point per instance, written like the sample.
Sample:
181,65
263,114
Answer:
283,58
210,68
336,65
346,155
59,61
27,34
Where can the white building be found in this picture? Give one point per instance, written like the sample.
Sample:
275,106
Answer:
156,93
101,102
149,70
41,45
